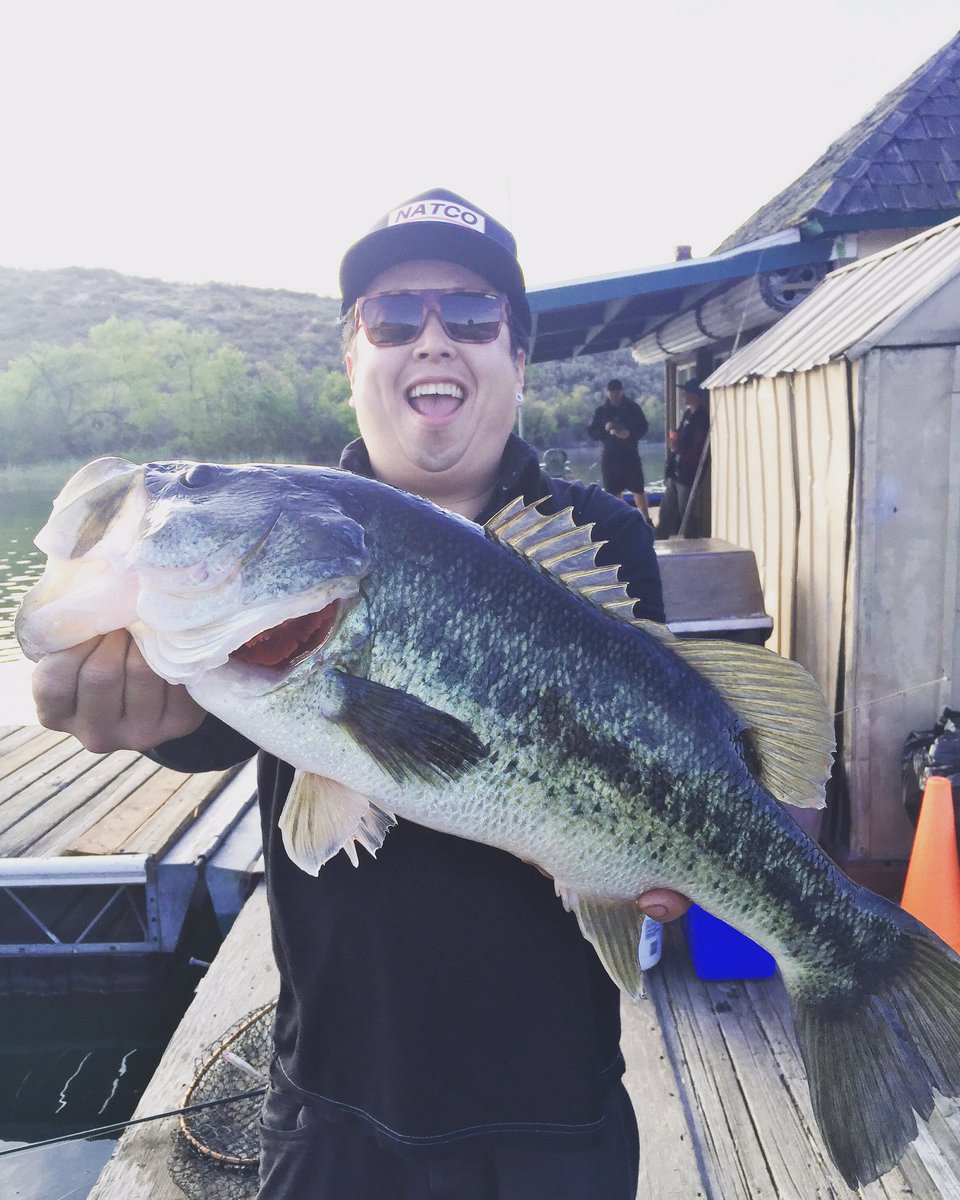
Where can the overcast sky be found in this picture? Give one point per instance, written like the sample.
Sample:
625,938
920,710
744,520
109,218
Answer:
252,142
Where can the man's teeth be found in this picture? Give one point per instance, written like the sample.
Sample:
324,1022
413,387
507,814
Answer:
436,389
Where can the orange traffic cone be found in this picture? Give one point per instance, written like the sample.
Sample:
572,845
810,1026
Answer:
932,890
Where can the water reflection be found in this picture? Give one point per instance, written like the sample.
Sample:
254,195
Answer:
22,514
64,1172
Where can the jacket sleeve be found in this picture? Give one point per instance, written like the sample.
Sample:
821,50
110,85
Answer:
638,423
212,747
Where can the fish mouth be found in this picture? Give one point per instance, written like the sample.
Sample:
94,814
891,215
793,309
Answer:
282,647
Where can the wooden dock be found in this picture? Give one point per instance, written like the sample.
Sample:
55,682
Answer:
712,1068
101,856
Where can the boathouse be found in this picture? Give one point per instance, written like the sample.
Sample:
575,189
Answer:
836,460
894,173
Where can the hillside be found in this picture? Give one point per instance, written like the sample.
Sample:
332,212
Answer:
60,307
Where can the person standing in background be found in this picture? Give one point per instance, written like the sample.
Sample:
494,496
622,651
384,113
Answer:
668,515
692,433
618,425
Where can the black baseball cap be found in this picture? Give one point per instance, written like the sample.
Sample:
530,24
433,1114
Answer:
693,388
437,224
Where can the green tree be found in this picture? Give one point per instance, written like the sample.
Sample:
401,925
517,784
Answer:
303,416
130,390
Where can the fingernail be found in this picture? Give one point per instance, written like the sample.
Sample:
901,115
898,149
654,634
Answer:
655,911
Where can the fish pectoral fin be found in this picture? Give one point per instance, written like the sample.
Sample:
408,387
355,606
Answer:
322,817
787,736
613,929
407,738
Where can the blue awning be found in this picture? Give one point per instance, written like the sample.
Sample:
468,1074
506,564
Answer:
606,313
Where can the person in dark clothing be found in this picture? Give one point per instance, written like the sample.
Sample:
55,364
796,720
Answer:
668,515
443,1030
618,425
692,434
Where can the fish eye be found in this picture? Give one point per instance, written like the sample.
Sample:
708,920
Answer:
200,475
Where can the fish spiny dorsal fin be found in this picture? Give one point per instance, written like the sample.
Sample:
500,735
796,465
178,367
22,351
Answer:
562,549
780,704
785,720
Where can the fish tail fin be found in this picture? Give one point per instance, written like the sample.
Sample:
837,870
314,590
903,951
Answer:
872,1063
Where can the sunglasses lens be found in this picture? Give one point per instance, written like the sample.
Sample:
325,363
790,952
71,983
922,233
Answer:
392,319
470,316
396,318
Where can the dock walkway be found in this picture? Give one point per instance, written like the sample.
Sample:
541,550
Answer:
101,855
712,1068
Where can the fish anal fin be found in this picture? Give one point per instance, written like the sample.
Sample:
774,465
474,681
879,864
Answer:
613,929
322,817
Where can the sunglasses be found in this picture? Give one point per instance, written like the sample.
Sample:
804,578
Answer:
398,318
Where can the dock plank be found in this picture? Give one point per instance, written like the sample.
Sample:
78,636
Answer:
132,808
108,795
120,791
30,761
752,1028
31,800
157,834
734,1158
63,795
669,1165
12,736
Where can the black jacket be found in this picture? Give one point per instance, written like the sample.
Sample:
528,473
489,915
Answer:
691,435
629,416
441,991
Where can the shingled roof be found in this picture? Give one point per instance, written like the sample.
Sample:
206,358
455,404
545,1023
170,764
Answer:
900,166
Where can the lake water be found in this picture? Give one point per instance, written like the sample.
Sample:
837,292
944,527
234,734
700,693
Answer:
74,1063
22,513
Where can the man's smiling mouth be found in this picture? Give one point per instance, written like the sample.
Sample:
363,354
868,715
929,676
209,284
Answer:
435,399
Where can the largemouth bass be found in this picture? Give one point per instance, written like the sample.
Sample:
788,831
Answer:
493,684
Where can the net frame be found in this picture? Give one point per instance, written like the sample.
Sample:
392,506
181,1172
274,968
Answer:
216,1149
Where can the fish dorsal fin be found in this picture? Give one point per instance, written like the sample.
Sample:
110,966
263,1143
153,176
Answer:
781,705
785,717
561,548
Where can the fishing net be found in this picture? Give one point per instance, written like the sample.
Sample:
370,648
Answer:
216,1149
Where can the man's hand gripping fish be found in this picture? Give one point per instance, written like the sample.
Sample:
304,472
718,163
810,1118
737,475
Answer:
527,710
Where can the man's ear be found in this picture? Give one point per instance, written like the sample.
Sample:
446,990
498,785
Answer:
350,367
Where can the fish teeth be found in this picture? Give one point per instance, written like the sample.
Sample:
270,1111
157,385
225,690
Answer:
436,389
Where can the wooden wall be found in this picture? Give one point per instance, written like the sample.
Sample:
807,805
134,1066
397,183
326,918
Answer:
844,480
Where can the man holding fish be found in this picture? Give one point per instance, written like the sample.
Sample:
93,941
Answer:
443,1029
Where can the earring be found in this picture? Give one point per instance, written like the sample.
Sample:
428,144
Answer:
519,397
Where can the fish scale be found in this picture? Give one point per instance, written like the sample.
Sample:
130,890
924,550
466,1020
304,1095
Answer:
494,685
